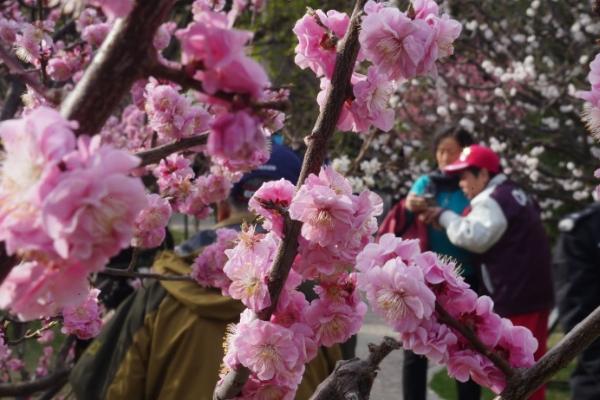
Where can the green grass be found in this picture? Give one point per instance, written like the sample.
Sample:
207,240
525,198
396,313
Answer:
556,389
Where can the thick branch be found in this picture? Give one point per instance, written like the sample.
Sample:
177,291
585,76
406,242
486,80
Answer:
468,334
116,66
313,160
143,275
156,154
353,379
29,388
13,98
526,381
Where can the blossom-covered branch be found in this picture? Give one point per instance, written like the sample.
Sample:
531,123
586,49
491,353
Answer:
526,381
129,42
313,160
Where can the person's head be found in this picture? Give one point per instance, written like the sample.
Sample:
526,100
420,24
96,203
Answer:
448,144
477,165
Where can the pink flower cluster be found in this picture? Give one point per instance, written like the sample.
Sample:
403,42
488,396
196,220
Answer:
171,115
337,224
398,46
191,196
406,286
66,206
83,320
207,268
150,223
215,53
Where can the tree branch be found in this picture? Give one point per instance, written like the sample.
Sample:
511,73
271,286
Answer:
116,66
353,379
468,334
313,160
526,381
156,154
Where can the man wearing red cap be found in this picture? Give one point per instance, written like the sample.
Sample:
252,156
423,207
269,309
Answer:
504,228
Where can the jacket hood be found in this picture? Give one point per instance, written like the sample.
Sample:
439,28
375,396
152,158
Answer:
206,302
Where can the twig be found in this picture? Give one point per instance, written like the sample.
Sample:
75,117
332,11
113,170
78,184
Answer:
498,361
143,275
362,152
29,388
134,257
526,381
32,334
183,79
353,379
313,160
116,66
156,154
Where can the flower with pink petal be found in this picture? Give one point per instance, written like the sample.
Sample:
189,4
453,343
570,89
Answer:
371,103
270,201
399,294
388,247
430,339
326,216
518,343
318,34
83,320
90,212
334,322
34,290
237,141
269,351
207,268
393,42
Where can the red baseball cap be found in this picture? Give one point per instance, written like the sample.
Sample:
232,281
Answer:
475,156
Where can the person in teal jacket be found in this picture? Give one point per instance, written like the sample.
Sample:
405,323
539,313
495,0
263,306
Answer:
438,188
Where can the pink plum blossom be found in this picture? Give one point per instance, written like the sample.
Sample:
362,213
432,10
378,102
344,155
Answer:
430,339
210,40
90,212
237,141
34,290
334,322
326,216
150,223
95,34
518,343
388,247
33,149
242,75
371,103
316,47
270,200
207,268
83,320
269,351
394,43
399,294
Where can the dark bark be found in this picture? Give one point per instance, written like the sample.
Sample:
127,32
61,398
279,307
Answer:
353,379
156,154
13,98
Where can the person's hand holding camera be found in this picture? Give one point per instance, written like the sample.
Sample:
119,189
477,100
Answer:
416,204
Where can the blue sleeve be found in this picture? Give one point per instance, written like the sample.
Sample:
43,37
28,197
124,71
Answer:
418,188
